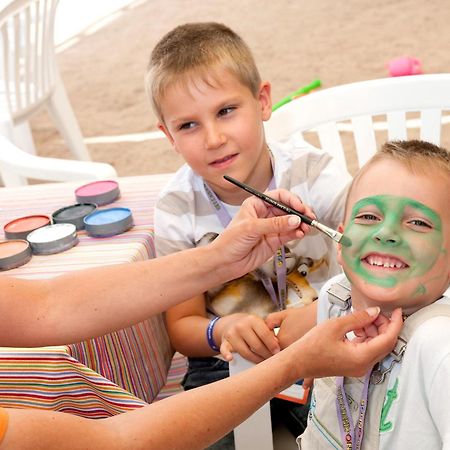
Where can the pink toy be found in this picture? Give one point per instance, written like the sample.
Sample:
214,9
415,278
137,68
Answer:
404,66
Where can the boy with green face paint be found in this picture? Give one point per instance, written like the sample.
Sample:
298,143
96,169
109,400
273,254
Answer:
398,225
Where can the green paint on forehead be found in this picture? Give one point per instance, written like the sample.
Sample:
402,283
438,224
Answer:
392,240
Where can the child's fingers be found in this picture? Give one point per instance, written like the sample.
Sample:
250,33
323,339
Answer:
226,350
274,320
308,383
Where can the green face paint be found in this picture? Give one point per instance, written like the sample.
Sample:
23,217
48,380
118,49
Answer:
394,239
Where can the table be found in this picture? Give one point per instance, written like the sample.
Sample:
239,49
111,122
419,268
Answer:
109,374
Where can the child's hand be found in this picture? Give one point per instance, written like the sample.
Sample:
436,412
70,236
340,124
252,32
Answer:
293,323
249,336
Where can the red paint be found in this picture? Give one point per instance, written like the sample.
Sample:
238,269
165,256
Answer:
27,223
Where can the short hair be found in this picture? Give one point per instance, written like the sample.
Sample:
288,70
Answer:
417,156
196,49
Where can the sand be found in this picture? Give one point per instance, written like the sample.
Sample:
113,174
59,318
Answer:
294,42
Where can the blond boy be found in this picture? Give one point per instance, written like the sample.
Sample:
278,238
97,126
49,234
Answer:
398,221
211,104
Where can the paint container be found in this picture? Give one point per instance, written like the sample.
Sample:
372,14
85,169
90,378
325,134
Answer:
14,253
108,222
53,238
74,214
20,228
98,192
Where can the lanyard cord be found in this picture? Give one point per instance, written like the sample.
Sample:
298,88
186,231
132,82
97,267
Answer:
351,435
280,257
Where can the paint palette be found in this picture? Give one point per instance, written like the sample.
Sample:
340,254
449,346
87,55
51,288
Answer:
98,192
14,253
53,238
74,214
108,222
21,227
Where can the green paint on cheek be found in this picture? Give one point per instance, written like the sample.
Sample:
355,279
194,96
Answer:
391,235
420,290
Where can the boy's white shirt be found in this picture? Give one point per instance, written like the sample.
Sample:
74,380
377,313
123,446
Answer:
183,215
418,414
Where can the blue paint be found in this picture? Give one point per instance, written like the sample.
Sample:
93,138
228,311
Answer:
107,216
108,222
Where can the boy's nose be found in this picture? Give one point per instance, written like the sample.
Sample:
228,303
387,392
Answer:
387,235
214,137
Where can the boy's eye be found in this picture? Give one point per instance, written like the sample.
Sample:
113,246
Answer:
186,126
420,224
366,218
225,111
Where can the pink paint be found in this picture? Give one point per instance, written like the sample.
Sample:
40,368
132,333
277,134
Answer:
97,187
98,192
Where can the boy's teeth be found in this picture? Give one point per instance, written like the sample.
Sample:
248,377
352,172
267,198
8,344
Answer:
387,262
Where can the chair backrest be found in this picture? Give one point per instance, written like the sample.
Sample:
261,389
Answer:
28,72
402,102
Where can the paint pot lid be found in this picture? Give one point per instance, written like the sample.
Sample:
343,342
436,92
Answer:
53,238
98,192
19,228
108,222
74,214
14,253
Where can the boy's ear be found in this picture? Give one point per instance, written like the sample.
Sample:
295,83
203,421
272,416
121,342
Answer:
265,98
163,128
339,246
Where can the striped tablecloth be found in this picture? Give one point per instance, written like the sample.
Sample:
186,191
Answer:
109,374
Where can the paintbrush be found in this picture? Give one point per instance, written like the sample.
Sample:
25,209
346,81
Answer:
333,234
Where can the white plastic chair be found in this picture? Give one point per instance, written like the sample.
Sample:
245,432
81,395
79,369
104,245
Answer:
323,112
16,166
328,113
30,78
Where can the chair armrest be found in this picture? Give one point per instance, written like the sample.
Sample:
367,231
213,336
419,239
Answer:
17,162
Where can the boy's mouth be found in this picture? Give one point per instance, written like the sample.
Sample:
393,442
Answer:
225,161
378,261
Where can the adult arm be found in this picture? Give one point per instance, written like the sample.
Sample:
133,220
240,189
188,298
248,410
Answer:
192,419
80,305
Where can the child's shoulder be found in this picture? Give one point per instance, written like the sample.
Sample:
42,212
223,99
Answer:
432,330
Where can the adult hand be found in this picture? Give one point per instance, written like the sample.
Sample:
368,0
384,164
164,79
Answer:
329,352
257,231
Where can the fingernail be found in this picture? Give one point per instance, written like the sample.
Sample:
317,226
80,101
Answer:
294,221
373,311
276,350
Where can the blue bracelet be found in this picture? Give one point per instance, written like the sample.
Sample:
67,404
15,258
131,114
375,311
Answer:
210,335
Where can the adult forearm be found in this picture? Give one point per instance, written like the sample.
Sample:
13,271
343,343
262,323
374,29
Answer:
92,302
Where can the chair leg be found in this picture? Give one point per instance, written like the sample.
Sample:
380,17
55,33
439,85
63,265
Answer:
10,179
19,134
62,114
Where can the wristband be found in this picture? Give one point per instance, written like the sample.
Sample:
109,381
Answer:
210,334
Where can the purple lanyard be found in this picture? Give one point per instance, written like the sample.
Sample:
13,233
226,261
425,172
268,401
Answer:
280,257
351,436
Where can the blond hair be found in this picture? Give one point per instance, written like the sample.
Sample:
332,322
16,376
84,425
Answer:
197,49
417,156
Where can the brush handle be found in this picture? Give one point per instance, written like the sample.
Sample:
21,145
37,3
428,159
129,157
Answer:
269,200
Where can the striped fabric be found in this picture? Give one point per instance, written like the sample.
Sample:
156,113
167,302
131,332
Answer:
109,374
49,378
